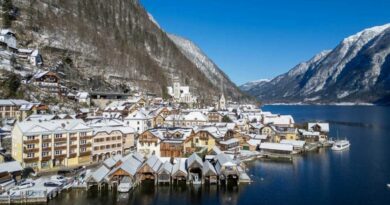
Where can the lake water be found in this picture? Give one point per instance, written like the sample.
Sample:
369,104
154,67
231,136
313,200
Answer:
355,176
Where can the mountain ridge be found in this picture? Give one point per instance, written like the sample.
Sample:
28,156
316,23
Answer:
356,70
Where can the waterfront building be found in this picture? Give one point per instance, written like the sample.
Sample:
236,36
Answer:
150,169
209,173
111,140
165,172
45,145
226,168
276,148
179,171
200,140
194,167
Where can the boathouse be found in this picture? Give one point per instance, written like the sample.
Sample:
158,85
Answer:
179,172
164,173
226,169
98,177
209,173
149,170
276,148
194,167
128,168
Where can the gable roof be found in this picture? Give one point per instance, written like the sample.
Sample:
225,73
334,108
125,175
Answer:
194,159
208,169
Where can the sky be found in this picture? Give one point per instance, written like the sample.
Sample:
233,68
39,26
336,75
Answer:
257,39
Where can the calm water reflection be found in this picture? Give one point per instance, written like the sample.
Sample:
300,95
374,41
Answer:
356,176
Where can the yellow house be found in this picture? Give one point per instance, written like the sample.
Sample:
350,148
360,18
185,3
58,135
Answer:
200,139
45,145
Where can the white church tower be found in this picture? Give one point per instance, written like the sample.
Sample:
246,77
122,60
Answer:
222,103
176,88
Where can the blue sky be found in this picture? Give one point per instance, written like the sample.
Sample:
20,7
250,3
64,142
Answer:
254,39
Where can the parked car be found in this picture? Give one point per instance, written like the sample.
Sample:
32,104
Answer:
58,178
24,185
52,184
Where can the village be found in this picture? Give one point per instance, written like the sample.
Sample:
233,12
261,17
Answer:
118,140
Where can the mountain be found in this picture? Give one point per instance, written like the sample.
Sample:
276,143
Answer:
111,45
357,71
212,72
249,85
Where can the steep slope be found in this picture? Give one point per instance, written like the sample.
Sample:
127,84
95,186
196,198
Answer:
107,45
212,72
357,70
251,84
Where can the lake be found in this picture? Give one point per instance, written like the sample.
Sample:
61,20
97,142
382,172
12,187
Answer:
355,176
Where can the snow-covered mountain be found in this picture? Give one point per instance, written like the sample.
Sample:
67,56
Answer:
212,72
249,85
357,70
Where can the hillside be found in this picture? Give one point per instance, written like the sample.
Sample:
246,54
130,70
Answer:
356,71
109,45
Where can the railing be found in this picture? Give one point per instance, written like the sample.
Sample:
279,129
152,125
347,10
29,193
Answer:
27,150
85,153
60,147
31,159
46,140
34,141
62,139
46,158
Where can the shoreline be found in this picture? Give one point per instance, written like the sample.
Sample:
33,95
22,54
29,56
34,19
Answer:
322,104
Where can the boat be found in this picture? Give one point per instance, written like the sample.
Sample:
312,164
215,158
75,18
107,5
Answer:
341,145
125,185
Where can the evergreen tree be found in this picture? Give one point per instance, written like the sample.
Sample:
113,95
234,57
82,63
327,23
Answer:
7,8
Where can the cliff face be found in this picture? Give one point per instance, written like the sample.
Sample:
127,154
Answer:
109,45
356,70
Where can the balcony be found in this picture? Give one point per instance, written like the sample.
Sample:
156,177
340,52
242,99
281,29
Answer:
46,148
31,159
86,137
88,144
60,147
62,139
46,140
33,141
73,146
60,156
72,155
73,138
46,158
27,150
87,153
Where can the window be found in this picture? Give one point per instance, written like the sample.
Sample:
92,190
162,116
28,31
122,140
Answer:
82,142
58,135
108,138
137,122
30,137
45,154
118,138
83,149
58,152
44,137
30,155
44,145
83,134
30,146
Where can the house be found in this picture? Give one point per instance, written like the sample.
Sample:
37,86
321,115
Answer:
285,133
126,167
44,145
47,81
148,142
173,141
36,58
199,140
278,120
15,109
109,141
83,97
310,136
194,118
268,130
232,144
139,120
214,117
10,173
251,145
8,39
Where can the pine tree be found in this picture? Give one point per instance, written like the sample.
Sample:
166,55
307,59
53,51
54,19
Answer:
7,8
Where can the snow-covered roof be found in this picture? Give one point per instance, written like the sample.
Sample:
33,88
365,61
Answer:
154,163
166,167
256,136
10,167
52,126
254,142
194,158
109,129
229,141
100,174
278,119
13,102
195,116
295,143
323,126
138,115
276,146
208,169
179,166
309,133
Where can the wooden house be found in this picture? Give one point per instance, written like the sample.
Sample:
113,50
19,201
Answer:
149,170
164,173
209,173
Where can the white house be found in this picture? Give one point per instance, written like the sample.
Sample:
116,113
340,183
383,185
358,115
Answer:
180,93
139,120
8,38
